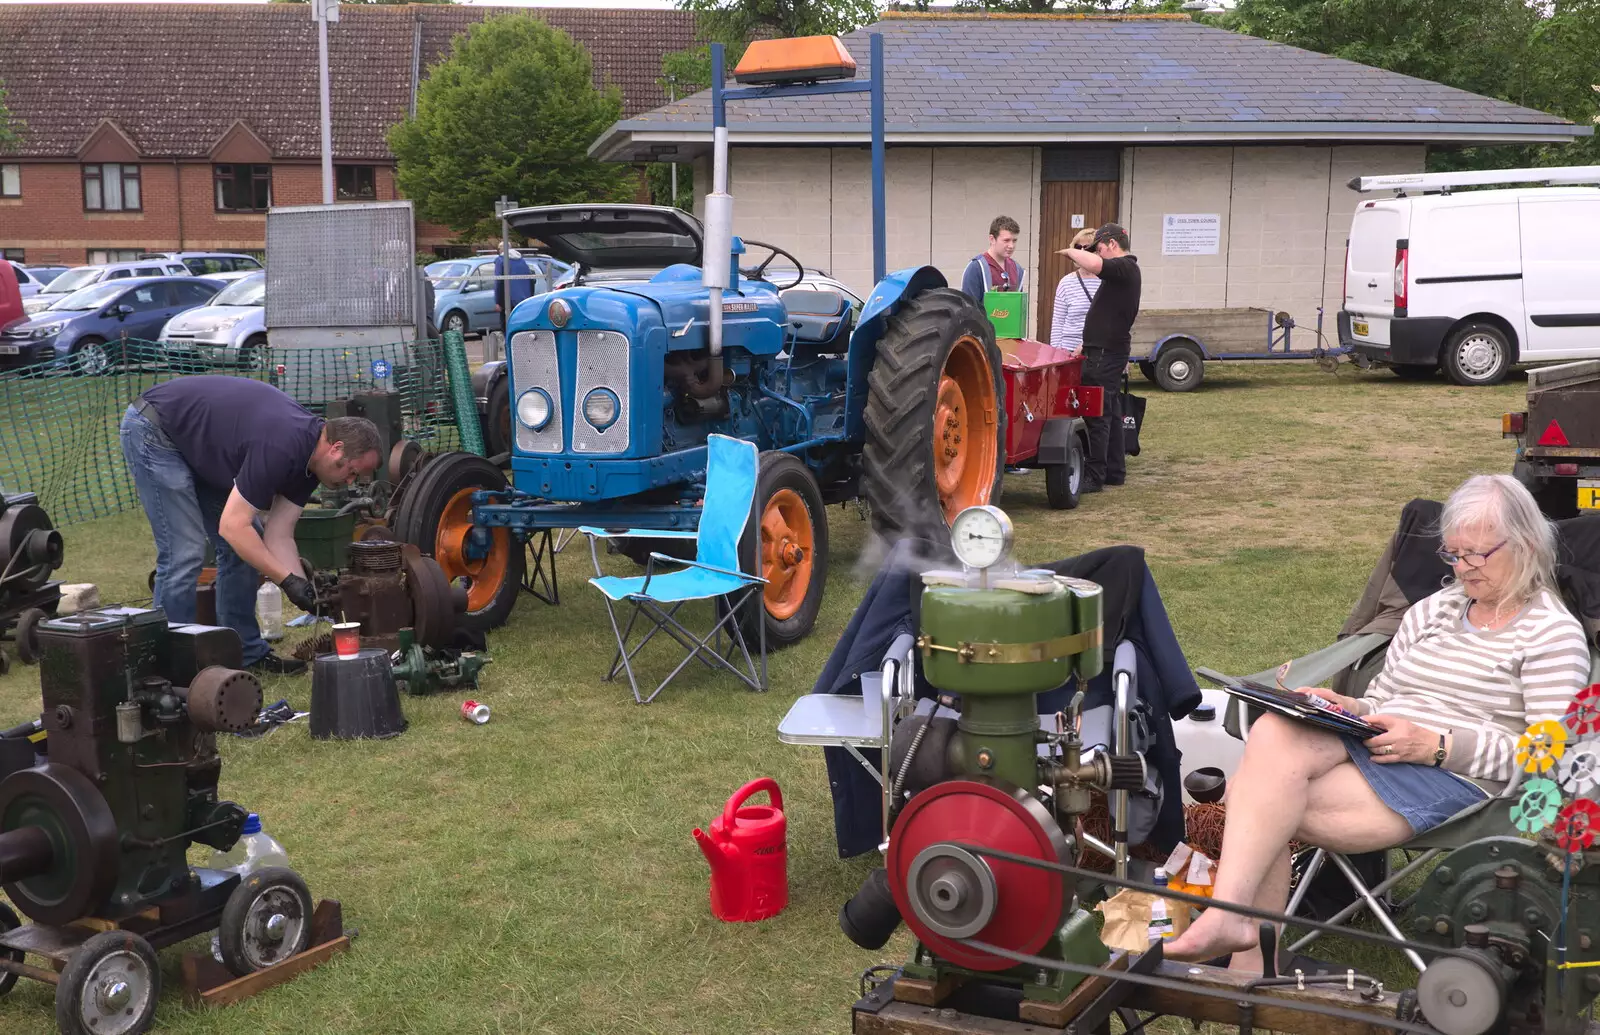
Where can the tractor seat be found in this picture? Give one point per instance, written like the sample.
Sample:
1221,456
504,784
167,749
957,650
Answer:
819,319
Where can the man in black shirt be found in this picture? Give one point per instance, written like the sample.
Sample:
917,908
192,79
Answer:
207,455
1107,341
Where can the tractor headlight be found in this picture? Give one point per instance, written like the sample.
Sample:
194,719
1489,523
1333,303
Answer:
560,312
600,408
533,408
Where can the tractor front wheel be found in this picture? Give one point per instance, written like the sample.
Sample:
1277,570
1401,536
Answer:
786,540
936,419
436,516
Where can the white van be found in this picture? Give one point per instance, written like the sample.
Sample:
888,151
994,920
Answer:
1475,281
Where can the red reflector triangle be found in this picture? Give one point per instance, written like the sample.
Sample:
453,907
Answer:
1554,436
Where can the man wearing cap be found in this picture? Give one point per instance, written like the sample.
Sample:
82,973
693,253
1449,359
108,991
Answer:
994,269
1107,342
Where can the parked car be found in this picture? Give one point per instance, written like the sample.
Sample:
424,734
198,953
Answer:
209,264
80,277
230,330
1474,281
27,282
81,331
465,294
45,274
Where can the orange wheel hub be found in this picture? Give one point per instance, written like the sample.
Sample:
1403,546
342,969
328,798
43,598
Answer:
484,575
965,447
787,540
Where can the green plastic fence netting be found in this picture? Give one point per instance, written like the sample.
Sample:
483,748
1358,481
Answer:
59,427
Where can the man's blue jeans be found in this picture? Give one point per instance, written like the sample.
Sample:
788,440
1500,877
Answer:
183,514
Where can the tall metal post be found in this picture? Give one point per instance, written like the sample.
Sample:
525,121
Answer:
325,11
672,97
880,261
501,207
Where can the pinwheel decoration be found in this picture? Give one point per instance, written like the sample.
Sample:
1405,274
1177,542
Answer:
1579,769
1583,714
1541,746
1538,806
1577,824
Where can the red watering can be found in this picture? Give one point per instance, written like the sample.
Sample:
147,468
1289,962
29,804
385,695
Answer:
749,856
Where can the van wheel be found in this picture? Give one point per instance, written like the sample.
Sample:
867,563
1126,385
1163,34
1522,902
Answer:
1179,368
1478,354
1414,371
1148,369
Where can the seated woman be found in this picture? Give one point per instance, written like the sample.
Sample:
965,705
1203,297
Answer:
1471,667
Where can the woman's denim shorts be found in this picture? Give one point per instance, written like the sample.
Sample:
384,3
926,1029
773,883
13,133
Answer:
1425,795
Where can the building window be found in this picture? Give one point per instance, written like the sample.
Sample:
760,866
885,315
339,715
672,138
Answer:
101,256
12,254
355,182
243,188
10,181
452,251
110,187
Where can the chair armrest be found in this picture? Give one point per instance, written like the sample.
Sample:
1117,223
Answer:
635,533
668,558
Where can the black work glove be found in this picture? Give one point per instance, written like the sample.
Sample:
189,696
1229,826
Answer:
301,593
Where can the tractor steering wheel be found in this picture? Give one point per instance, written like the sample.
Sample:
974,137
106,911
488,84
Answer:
760,272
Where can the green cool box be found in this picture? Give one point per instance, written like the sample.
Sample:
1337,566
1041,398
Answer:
1008,311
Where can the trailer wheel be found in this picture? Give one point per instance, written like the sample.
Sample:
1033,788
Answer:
787,541
1179,368
27,635
436,516
110,986
1062,481
9,921
935,417
265,921
1148,370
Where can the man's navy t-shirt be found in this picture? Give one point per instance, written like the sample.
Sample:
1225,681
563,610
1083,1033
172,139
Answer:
233,431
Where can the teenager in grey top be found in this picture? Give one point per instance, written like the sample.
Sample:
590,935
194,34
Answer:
1471,667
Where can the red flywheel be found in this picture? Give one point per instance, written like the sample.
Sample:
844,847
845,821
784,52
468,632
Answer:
947,892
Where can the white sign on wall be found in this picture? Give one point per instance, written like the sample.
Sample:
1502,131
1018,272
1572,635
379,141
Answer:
1191,233
1077,221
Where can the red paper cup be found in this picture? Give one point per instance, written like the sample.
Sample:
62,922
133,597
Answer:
472,711
347,639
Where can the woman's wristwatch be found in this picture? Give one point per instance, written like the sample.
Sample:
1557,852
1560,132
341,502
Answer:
1438,756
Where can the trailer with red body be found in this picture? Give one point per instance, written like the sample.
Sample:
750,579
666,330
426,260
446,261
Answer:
1046,402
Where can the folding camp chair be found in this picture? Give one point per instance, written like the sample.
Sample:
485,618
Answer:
713,575
1488,818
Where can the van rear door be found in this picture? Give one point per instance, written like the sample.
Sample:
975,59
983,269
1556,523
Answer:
1561,275
1369,270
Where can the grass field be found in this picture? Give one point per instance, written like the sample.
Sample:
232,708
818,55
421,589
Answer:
537,875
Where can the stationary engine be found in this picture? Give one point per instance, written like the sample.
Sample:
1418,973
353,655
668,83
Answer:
992,641
131,709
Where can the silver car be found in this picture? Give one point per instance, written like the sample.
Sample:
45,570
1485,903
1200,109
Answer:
230,331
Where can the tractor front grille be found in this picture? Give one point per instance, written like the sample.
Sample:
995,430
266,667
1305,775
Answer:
602,363
534,365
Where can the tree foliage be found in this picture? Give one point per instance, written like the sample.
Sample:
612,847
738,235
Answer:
730,21
511,111
9,126
1540,55
371,1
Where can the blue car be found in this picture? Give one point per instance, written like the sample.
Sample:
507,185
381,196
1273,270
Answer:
80,332
465,291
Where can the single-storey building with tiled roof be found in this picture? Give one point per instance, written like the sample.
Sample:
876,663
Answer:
150,126
1067,121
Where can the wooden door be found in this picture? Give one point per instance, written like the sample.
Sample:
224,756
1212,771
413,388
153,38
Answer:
1096,202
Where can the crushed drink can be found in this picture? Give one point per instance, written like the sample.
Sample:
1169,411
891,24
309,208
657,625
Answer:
474,712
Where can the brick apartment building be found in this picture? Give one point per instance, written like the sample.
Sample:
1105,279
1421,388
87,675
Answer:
150,127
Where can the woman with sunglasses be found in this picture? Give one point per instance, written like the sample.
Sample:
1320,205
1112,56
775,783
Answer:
1471,667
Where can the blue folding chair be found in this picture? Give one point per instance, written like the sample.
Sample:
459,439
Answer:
714,574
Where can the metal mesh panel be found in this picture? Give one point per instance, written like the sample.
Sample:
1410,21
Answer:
534,365
354,266
602,363
59,432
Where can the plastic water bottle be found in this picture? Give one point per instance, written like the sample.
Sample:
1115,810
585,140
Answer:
254,850
1161,927
269,611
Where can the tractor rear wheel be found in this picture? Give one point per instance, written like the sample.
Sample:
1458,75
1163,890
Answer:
786,540
436,516
936,419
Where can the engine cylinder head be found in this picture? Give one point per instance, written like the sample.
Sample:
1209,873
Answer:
375,557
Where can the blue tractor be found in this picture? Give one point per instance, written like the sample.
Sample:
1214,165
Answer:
677,330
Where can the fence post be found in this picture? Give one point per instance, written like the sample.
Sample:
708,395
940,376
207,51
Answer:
466,407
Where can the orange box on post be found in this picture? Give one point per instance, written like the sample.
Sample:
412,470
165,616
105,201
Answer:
800,59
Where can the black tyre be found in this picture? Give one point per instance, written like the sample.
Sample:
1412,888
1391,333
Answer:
936,420
266,920
1147,370
435,514
1415,371
9,921
454,320
254,353
27,639
1179,368
110,986
1478,354
497,421
92,357
786,540
1557,497
1062,481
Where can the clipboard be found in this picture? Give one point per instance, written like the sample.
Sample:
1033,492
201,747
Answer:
1295,706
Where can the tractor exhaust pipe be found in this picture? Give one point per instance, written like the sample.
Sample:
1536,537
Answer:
715,271
24,852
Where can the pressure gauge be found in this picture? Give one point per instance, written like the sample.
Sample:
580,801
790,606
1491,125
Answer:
981,536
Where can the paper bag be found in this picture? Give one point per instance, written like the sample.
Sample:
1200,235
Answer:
1127,919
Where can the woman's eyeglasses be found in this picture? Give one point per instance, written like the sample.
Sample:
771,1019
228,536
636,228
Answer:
1471,560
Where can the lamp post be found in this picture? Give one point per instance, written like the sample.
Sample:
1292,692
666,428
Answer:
672,98
323,12
501,207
